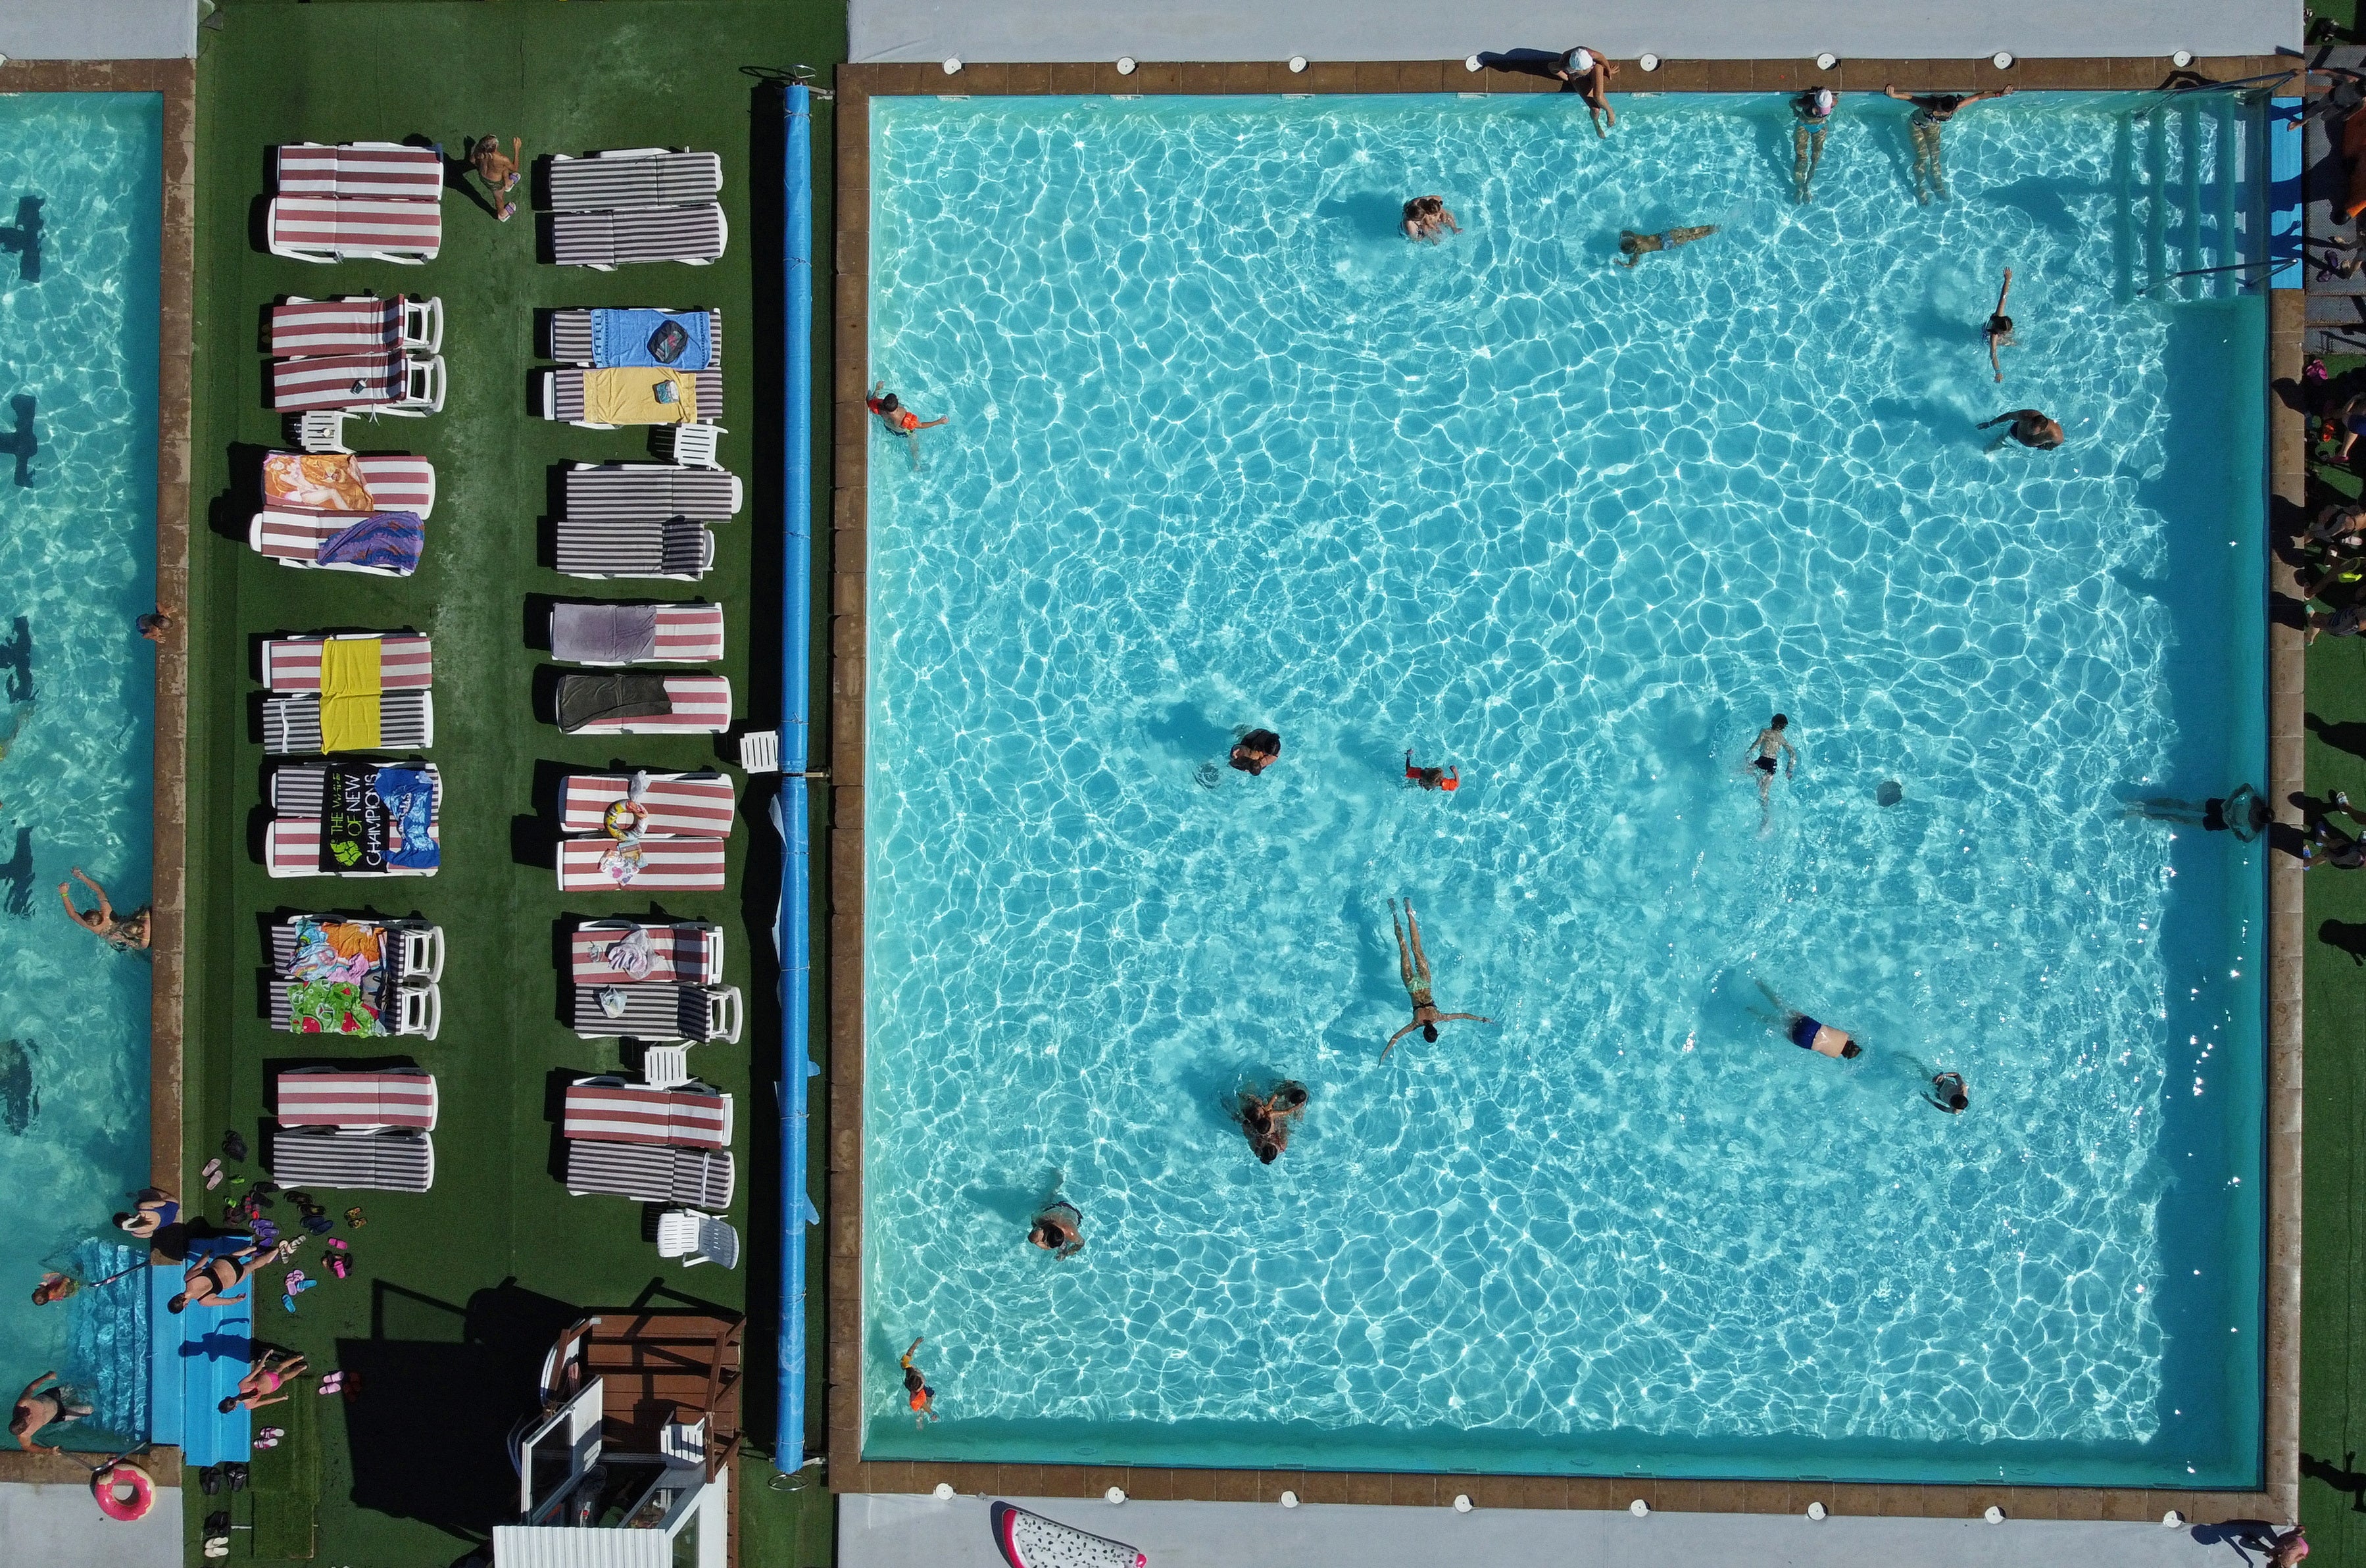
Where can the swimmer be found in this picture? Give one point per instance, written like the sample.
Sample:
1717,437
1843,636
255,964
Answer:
1814,112
2240,812
54,1287
1585,72
1808,1033
1931,112
1056,1229
1946,1092
917,1392
1268,1135
155,1211
1446,778
1999,331
1771,745
1426,217
154,624
1634,247
500,173
37,1408
1255,752
900,420
2030,427
125,933
1412,967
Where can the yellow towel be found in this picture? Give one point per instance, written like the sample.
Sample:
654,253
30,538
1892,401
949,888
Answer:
350,723
629,397
350,666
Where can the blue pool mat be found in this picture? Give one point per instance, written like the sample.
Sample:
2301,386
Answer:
199,1358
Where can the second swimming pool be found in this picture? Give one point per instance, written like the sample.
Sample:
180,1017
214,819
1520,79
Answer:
1226,451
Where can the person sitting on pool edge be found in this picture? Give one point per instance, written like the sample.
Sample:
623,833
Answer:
1946,1092
917,1392
125,933
1446,778
1585,72
1426,217
1634,247
1256,750
2032,427
1057,1230
154,1211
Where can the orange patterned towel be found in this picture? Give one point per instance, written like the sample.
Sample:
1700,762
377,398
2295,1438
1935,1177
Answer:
325,481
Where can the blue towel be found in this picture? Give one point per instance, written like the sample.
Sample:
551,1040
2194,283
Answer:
388,540
620,340
410,797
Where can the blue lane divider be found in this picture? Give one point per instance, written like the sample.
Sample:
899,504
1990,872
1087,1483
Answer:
792,927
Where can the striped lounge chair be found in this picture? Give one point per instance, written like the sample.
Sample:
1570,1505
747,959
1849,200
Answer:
391,383
610,1110
674,547
679,806
383,169
291,843
333,1097
291,530
331,229
609,238
683,953
667,865
652,1011
562,396
570,336
635,633
405,660
409,1001
354,325
291,725
602,491
634,176
701,1179
398,1159
591,703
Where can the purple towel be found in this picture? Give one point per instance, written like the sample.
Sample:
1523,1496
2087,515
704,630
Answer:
387,541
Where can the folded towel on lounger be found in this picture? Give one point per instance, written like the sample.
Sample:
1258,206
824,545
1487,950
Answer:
604,634
587,699
388,541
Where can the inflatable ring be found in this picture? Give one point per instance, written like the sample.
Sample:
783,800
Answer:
122,1473
623,817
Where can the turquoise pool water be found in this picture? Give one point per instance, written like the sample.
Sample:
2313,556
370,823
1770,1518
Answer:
1225,451
77,564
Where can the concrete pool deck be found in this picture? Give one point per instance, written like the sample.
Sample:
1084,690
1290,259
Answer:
932,31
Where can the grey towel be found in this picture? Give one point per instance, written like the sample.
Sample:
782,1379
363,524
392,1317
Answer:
604,634
587,699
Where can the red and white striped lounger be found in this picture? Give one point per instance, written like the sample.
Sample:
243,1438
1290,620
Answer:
667,865
292,534
396,481
293,539
360,169
700,705
685,952
681,806
291,842
405,660
385,383
405,993
327,1097
361,323
611,1110
635,633
325,228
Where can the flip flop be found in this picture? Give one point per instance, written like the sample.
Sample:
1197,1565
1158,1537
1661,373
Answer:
210,1481
332,1383
232,1145
340,1264
236,1474
295,1278
354,1217
275,1433
290,1302
265,1443
213,1174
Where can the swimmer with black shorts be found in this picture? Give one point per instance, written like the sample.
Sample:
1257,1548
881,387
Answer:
1763,752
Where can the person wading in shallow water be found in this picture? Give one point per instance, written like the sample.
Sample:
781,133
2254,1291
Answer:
917,1392
127,933
1412,967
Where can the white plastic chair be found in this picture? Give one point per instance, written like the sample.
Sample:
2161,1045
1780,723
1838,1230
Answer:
760,752
697,1238
693,445
322,430
665,1066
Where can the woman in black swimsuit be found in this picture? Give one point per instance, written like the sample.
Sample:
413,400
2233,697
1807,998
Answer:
1931,111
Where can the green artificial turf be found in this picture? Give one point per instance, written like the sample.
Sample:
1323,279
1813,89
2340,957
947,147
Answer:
456,1293
285,1479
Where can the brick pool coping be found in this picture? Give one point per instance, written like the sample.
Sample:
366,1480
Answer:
2286,935
175,81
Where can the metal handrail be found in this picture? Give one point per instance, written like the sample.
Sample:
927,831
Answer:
2275,77
2231,266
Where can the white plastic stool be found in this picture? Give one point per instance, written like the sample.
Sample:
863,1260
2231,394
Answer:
665,1066
322,430
694,446
760,752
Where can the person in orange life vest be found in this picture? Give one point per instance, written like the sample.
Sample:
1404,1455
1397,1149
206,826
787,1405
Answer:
918,1394
1448,777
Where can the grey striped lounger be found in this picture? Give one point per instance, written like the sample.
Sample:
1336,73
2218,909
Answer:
610,238
653,1011
291,725
410,1003
562,396
635,176
703,1179
625,490
570,336
675,547
398,1161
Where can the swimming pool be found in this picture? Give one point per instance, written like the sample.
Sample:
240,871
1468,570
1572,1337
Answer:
1224,452
78,344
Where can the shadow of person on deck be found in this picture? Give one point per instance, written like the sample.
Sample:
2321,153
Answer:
2343,735
2345,1476
23,237
1544,63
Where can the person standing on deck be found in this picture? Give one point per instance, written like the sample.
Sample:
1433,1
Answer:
500,173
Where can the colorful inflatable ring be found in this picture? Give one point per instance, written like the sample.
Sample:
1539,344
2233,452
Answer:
122,1473
624,817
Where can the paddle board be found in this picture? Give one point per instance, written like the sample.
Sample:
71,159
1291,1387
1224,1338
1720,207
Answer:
1030,1541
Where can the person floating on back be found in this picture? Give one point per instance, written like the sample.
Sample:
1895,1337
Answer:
1931,111
1412,967
1255,752
1814,111
1634,247
899,420
1585,72
1058,1229
2032,427
1446,778
1999,331
1946,1092
917,1392
1426,217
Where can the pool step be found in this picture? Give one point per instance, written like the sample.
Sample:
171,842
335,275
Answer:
197,1358
2194,196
